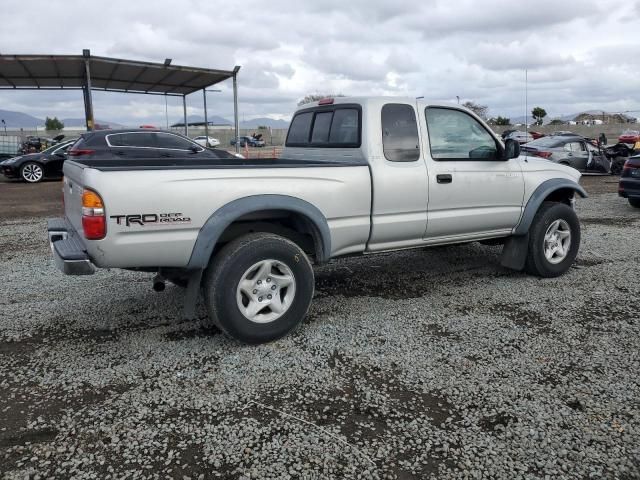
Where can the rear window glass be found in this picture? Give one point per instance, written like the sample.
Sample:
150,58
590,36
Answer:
299,129
546,142
166,140
344,129
321,126
132,139
328,127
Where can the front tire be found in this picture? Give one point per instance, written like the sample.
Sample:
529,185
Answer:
32,172
634,202
258,288
554,240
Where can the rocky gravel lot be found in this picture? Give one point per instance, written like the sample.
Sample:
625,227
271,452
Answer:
430,363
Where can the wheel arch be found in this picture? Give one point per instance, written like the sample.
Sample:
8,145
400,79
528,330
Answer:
259,211
554,190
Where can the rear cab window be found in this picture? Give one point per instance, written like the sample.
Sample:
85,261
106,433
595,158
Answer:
330,126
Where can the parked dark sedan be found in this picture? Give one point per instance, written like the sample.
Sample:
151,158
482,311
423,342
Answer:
33,167
248,140
575,151
629,186
140,144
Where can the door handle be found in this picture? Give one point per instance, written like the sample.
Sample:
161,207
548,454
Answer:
444,178
120,153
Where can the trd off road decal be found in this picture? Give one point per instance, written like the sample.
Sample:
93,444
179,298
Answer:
151,219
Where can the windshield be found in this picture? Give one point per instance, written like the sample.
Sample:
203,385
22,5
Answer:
631,132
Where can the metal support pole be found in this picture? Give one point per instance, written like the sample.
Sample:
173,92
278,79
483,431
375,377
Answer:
88,100
206,122
184,109
235,108
166,111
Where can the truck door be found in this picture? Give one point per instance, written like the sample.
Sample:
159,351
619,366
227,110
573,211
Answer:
472,191
399,177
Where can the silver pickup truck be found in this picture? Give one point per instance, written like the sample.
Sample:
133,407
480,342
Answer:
356,176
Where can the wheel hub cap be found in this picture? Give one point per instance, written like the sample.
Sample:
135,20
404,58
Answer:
266,291
557,241
32,173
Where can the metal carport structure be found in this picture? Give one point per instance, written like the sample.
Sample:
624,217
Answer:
87,72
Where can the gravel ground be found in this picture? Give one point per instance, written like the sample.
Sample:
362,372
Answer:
430,363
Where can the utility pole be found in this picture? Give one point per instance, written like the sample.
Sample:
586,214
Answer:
526,102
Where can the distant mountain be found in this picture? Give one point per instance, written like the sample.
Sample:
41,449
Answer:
15,120
213,119
253,123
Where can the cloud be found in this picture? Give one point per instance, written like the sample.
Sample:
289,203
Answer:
580,54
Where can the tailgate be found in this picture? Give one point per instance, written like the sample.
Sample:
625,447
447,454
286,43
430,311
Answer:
72,189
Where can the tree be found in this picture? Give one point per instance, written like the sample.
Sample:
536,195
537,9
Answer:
556,121
480,110
503,121
53,124
314,97
539,113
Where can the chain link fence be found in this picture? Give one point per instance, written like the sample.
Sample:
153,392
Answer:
9,146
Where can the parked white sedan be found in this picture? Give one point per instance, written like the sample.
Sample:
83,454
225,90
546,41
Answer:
202,140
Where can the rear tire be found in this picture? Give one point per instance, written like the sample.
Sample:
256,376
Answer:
258,287
634,202
554,240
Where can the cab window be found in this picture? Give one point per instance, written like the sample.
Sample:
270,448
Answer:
456,135
400,142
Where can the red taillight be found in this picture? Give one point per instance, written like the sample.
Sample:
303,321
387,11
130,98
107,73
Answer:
544,154
93,227
325,101
94,223
80,151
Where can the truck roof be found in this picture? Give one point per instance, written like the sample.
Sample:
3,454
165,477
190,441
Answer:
377,100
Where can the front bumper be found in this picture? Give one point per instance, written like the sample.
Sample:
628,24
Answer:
9,171
68,248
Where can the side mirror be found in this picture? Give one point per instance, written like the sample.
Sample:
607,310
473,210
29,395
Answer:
60,155
194,149
511,149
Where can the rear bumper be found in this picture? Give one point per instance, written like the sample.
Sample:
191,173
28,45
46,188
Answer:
68,248
629,187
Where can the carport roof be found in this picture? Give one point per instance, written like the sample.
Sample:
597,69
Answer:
109,74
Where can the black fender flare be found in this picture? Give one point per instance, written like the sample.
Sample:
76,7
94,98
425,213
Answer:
227,214
516,248
545,189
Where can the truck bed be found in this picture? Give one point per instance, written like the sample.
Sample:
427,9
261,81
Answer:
222,163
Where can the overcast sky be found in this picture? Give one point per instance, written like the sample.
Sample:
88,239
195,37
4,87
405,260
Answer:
580,54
